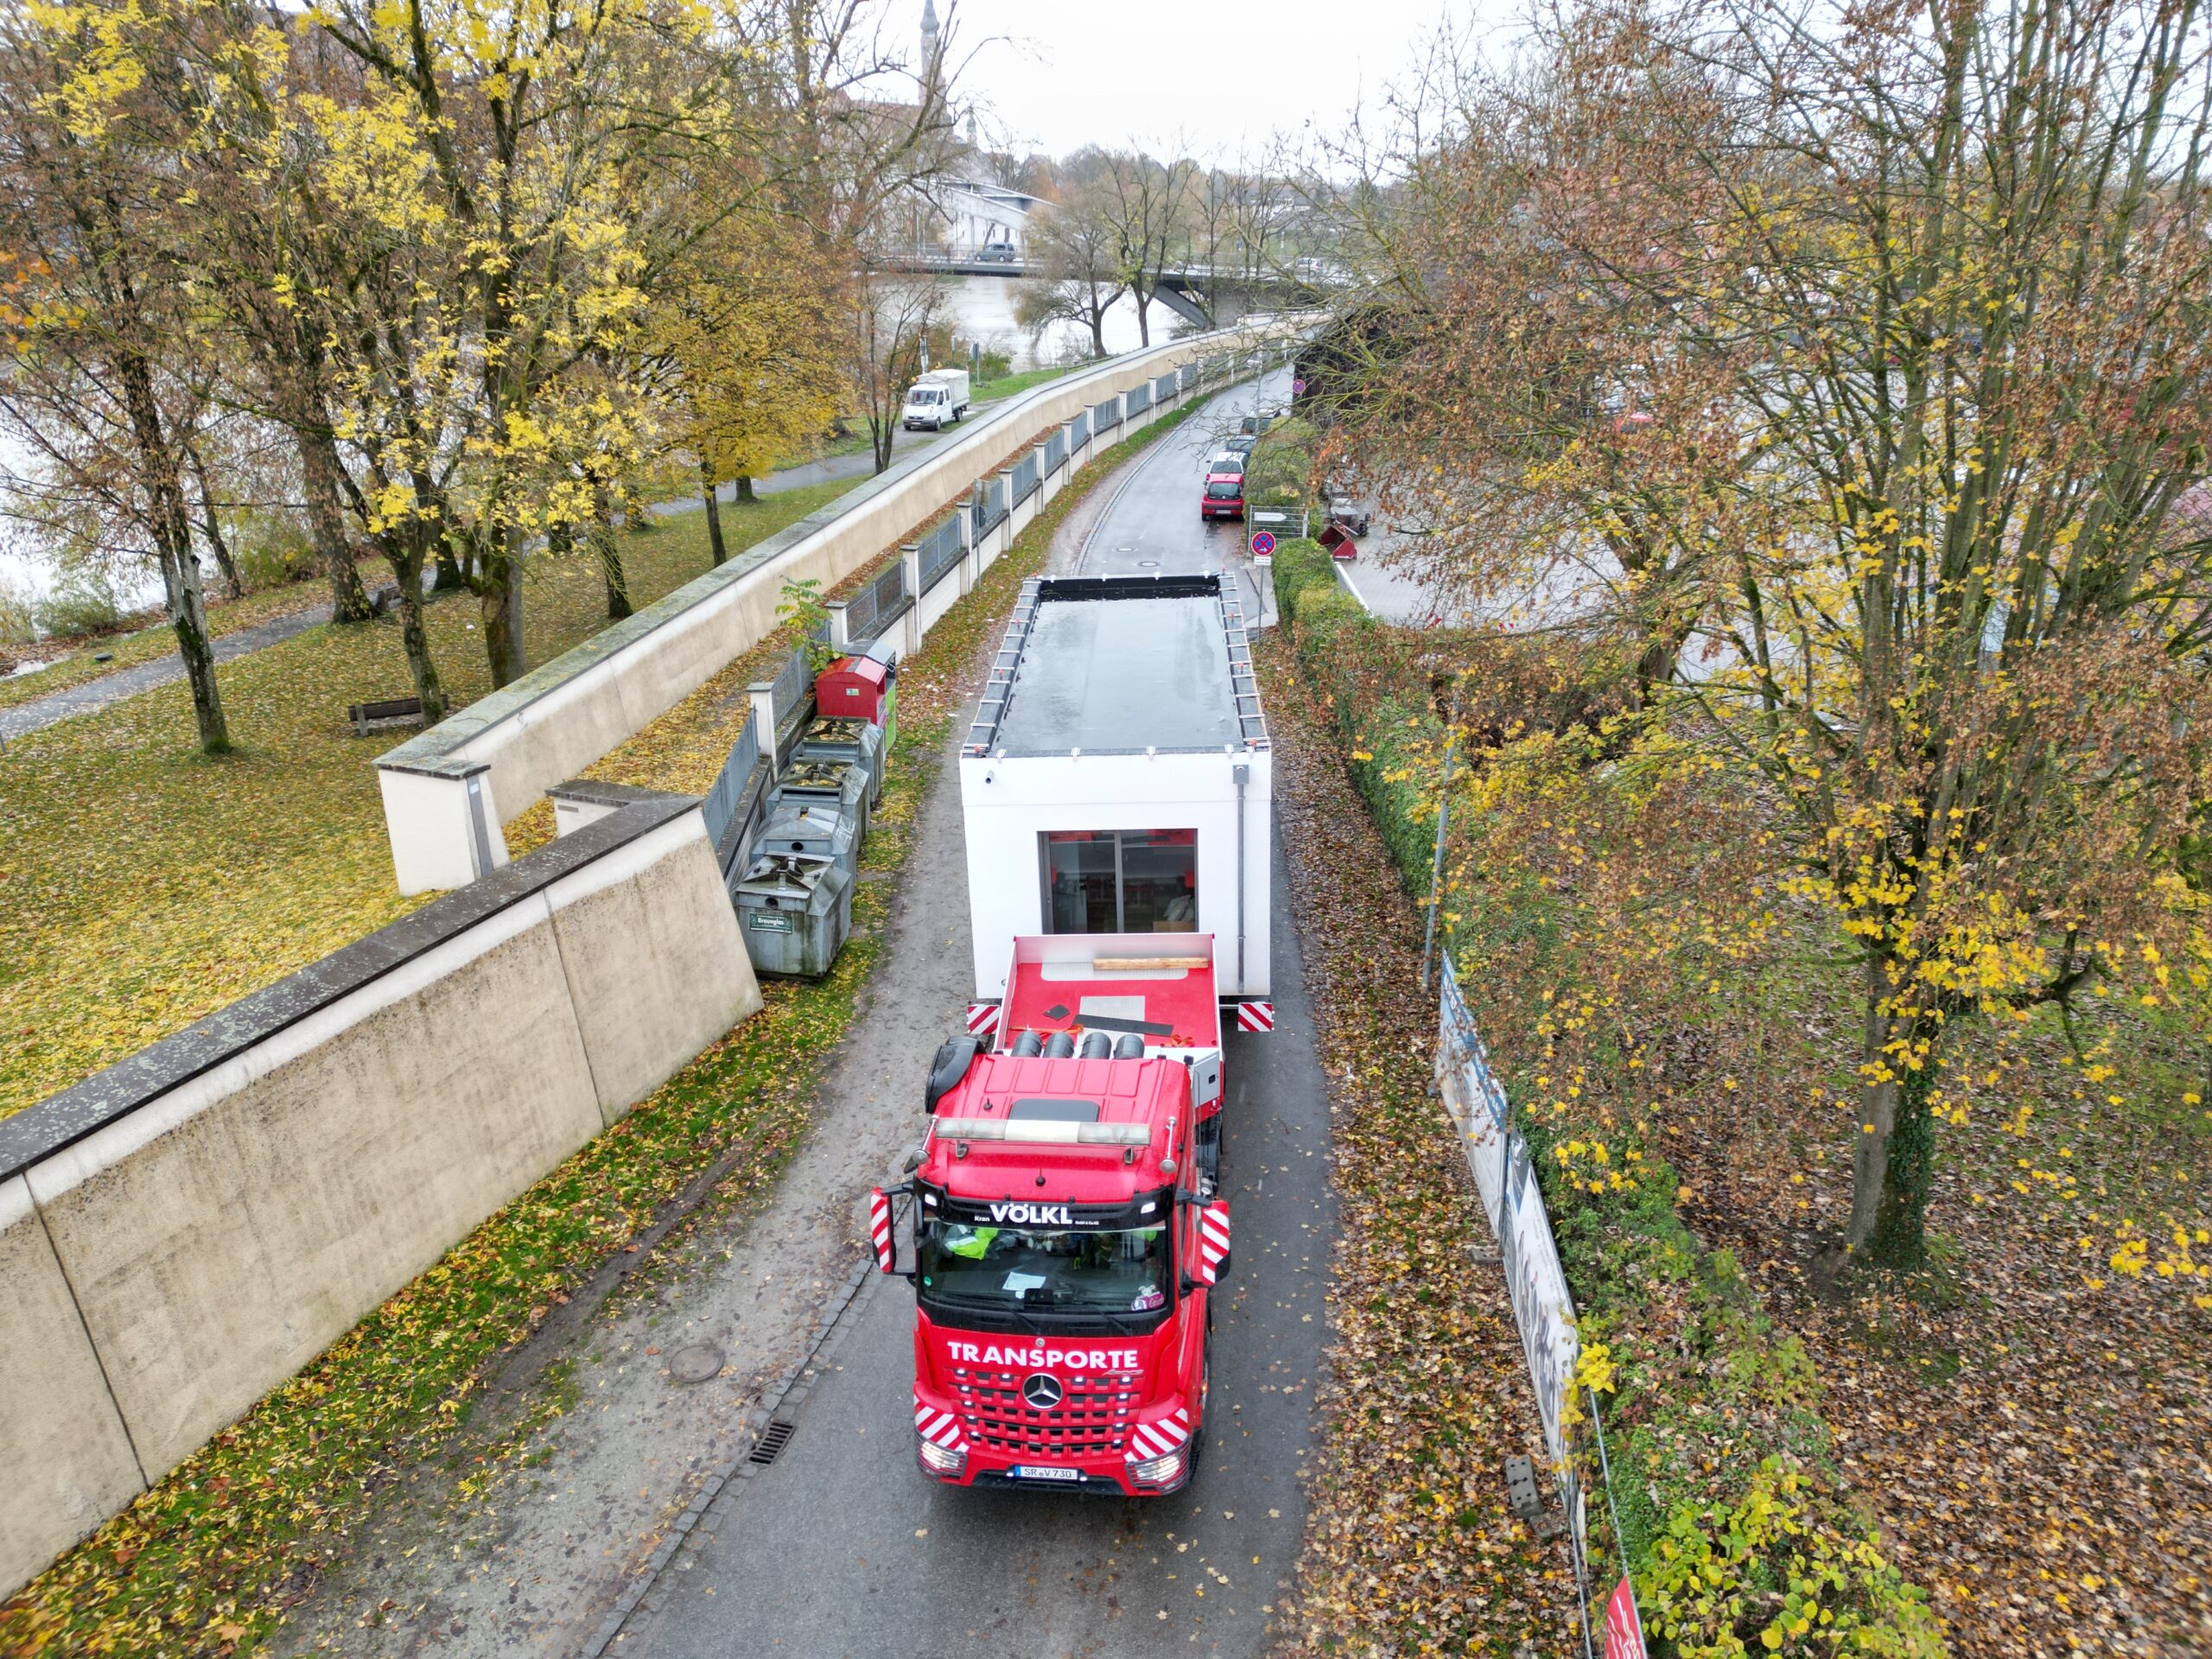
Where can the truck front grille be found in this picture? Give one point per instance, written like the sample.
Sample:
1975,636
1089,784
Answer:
1092,1419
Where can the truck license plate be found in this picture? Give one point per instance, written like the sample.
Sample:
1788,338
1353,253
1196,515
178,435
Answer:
1039,1472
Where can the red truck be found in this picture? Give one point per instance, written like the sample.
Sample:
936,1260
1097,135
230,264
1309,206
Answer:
1064,1234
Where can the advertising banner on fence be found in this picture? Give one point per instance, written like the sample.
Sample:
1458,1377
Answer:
1471,1094
1538,1286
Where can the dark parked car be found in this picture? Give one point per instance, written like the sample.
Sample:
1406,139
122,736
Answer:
999,253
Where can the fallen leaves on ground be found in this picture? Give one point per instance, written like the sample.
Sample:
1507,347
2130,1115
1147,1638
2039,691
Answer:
1409,1548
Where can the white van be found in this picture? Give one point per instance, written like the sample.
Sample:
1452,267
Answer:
936,400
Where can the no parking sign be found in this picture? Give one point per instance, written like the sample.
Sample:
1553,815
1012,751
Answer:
1263,544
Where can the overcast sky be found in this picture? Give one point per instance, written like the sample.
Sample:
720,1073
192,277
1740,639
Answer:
1216,72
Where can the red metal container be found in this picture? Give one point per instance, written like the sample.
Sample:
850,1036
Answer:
853,688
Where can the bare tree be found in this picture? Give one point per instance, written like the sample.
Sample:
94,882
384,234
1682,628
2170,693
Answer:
1078,247
892,315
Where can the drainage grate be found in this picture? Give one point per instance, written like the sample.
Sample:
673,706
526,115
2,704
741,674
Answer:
773,1440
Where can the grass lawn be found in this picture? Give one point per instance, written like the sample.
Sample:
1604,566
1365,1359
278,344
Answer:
1009,385
142,885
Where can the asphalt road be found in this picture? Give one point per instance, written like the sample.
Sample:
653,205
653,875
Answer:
841,1546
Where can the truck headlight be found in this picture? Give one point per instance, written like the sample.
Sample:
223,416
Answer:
941,1461
1157,1472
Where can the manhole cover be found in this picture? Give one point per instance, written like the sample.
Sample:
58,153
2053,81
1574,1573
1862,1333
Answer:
695,1363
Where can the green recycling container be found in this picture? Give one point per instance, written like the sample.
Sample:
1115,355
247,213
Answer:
839,784
858,740
812,829
794,912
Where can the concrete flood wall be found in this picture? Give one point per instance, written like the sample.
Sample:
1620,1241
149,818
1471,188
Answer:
447,792
182,1232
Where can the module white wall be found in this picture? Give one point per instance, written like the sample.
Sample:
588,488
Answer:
1009,802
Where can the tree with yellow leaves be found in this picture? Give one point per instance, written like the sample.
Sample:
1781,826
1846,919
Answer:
1845,369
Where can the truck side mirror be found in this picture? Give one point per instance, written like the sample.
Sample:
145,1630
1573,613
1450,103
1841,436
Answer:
1213,1242
880,1231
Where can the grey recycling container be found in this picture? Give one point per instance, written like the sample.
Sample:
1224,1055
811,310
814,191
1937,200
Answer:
840,784
794,912
812,829
858,740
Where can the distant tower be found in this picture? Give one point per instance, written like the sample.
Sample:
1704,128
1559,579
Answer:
929,37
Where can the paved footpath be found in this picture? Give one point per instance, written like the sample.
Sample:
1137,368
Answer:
92,694
840,1545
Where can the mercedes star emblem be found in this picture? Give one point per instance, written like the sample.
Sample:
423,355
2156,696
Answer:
1042,1392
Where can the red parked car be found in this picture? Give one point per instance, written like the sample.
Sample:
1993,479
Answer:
1224,497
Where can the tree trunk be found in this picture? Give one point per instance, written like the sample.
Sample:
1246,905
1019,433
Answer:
172,537
1899,1240
713,514
216,544
1893,1154
499,597
1097,332
880,434
450,577
403,551
609,552
319,473
1144,320
745,494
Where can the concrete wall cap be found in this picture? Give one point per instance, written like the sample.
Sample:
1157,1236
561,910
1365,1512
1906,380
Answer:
60,1121
596,792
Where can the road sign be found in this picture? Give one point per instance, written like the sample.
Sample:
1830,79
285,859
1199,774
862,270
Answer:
1263,543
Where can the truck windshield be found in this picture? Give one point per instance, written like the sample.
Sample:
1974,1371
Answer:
1021,1269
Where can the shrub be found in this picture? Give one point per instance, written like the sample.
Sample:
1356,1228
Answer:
84,603
271,548
17,625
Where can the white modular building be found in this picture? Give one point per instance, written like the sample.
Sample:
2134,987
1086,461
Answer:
1118,779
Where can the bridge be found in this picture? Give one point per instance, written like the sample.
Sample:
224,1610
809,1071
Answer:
1186,291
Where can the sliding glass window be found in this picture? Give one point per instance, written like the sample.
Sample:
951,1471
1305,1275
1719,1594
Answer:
1120,880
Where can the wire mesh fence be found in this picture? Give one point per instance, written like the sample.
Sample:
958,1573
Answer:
990,505
876,604
1025,478
1056,450
940,550
1135,401
1107,415
723,800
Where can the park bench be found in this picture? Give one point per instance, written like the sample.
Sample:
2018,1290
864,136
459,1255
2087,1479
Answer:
392,711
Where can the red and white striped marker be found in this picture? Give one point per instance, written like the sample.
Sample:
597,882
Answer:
982,1019
1150,1441
937,1427
1255,1016
1213,1240
879,1228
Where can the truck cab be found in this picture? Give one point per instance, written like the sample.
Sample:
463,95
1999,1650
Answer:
1064,1234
